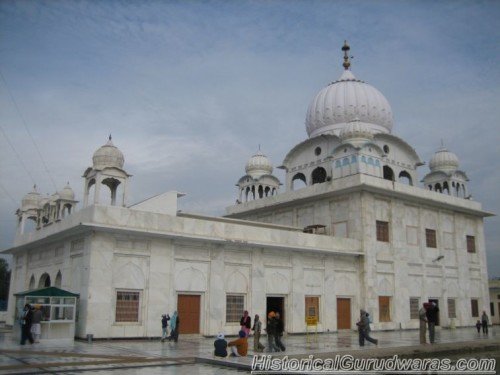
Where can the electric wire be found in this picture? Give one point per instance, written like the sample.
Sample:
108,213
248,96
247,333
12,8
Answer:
17,155
27,131
8,194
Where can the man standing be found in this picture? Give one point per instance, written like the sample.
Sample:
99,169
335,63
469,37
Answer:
432,316
423,322
26,321
484,322
280,328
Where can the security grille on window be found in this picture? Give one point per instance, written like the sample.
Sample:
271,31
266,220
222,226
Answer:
414,303
474,308
471,244
235,305
382,231
384,309
127,306
430,238
452,313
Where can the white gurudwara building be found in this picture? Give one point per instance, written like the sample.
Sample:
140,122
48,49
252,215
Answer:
349,229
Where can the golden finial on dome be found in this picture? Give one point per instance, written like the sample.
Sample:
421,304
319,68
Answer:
346,48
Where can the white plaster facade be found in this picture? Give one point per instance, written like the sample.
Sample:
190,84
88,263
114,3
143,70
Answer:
494,311
355,176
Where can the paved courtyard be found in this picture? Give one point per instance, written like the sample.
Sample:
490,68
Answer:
193,354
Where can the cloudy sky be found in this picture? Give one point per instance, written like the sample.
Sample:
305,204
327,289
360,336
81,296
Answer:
189,89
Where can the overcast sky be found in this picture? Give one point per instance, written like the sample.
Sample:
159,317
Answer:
189,89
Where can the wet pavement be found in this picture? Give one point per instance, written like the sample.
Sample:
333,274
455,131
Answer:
193,353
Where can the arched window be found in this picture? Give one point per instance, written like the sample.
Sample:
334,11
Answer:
296,181
345,161
267,190
446,187
388,173
354,159
405,178
261,191
32,282
438,187
430,187
363,159
44,281
370,161
338,164
58,279
318,175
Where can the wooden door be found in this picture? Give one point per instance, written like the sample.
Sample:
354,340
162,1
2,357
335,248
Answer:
343,313
188,308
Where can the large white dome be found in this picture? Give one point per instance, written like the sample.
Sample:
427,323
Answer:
344,100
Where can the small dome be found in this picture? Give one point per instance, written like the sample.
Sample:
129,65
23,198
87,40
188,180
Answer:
444,160
258,165
108,156
31,200
344,100
67,193
356,131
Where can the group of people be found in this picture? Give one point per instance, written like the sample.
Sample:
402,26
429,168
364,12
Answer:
428,317
174,327
239,347
483,323
30,321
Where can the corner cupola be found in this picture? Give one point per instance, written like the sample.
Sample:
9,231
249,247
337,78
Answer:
107,170
258,182
445,177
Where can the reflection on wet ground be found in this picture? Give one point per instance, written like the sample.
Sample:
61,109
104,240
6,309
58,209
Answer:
155,357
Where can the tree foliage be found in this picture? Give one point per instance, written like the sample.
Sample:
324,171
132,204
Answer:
4,279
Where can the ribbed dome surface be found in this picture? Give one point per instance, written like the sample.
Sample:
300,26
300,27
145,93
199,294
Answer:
31,200
258,165
108,156
67,193
444,160
356,130
345,100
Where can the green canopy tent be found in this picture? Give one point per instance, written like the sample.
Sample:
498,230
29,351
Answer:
58,308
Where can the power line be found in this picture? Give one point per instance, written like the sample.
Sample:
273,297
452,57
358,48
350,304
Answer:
7,194
18,156
27,131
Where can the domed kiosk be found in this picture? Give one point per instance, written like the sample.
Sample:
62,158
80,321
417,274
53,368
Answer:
107,170
259,181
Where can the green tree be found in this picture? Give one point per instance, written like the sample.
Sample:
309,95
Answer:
4,283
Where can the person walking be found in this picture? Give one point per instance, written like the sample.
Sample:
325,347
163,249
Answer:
257,328
164,326
279,332
271,332
246,323
423,323
484,322
432,316
36,327
174,327
26,321
364,329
